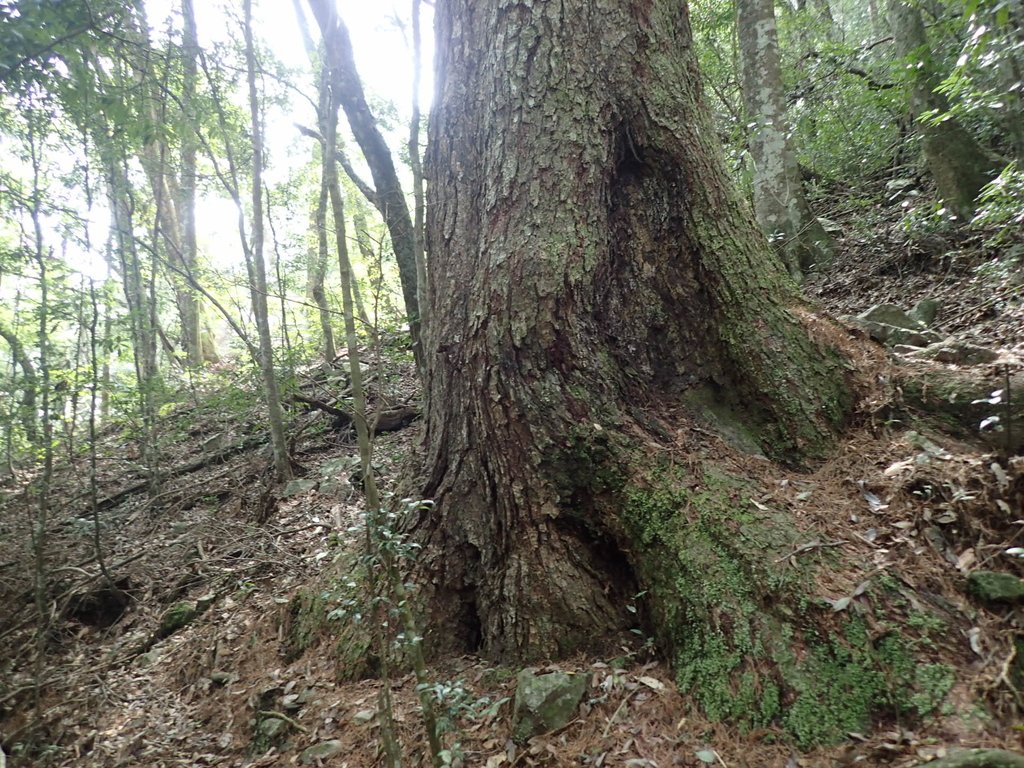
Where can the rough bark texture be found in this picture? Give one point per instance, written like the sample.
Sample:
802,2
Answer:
588,258
779,201
955,160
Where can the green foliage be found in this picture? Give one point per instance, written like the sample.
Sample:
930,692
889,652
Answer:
984,84
1001,206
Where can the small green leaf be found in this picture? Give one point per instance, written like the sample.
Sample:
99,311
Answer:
706,756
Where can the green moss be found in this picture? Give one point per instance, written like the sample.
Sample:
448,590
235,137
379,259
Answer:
708,582
333,614
933,682
307,620
848,680
583,467
746,641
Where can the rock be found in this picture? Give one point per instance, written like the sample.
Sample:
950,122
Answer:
272,728
925,311
295,487
978,758
331,489
957,353
996,587
364,716
890,325
221,678
890,314
321,751
895,336
177,616
905,350
830,226
545,702
149,658
923,338
895,186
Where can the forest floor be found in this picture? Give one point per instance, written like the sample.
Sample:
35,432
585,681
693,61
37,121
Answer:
223,552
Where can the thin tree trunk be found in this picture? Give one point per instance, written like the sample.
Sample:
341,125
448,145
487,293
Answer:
779,201
30,382
257,269
42,486
188,301
318,271
373,261
137,298
389,197
417,171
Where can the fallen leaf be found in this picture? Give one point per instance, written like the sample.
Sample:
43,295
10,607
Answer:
898,466
1001,479
652,683
875,503
966,559
841,604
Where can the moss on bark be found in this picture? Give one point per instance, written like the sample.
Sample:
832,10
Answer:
735,616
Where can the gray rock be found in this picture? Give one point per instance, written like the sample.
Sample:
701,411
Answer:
331,488
890,314
545,702
895,186
912,338
830,226
322,751
957,353
272,728
893,335
295,487
996,587
364,716
925,311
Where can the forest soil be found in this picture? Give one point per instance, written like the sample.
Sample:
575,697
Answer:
902,501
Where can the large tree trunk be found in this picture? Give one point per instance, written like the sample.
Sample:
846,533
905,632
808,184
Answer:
779,201
589,258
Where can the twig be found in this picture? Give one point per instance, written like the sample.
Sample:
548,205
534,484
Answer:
811,546
615,714
281,716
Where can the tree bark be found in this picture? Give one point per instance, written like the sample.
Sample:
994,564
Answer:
779,201
175,200
588,256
